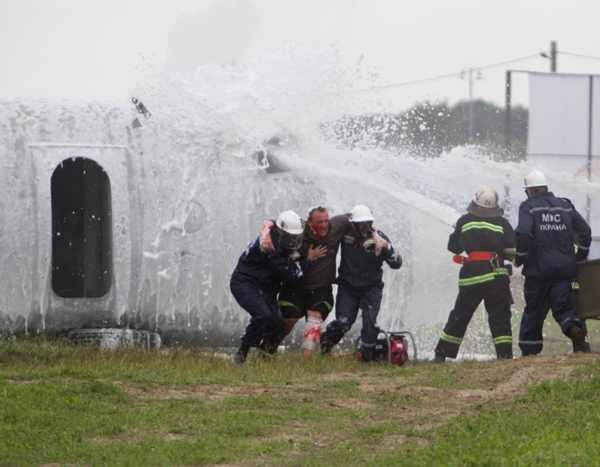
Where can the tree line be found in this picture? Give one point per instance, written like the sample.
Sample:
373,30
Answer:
429,130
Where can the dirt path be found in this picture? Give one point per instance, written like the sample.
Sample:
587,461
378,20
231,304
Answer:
419,399
484,382
498,380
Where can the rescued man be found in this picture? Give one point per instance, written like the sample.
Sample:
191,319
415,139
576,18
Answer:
310,296
257,279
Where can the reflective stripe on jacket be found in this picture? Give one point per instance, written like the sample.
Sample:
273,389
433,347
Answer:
476,233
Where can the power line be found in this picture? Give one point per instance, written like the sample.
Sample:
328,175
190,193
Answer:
425,80
507,62
408,83
578,55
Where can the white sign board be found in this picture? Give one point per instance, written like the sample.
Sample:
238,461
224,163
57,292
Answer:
564,133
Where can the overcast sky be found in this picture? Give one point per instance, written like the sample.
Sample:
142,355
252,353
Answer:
98,49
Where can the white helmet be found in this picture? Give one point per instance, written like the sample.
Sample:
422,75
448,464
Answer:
486,197
535,179
292,230
361,213
290,222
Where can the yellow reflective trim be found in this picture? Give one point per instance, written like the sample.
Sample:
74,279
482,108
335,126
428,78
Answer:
481,279
503,340
451,339
482,225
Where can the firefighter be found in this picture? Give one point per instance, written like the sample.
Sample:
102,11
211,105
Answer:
364,250
489,240
545,232
257,279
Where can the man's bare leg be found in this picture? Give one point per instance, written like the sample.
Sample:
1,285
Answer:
314,322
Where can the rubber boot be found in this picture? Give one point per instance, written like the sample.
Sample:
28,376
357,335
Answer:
326,347
266,350
241,355
366,355
438,359
504,351
577,335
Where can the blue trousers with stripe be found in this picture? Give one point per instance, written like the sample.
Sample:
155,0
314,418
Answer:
539,293
347,304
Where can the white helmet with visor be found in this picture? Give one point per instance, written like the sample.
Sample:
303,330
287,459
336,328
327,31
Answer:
292,230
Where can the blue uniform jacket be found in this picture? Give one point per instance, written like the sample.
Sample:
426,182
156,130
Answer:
547,227
268,270
362,269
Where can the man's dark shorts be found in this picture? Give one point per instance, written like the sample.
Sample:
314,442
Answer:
295,300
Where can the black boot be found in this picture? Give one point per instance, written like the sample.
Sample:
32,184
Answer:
366,354
326,346
269,347
242,354
266,350
577,335
504,351
438,359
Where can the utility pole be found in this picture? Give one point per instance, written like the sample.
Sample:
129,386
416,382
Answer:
508,95
552,56
507,116
470,104
471,100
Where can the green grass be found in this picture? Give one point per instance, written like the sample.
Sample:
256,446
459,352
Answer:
556,425
63,405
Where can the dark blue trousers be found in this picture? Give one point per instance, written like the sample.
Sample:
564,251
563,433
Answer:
539,293
347,304
266,323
